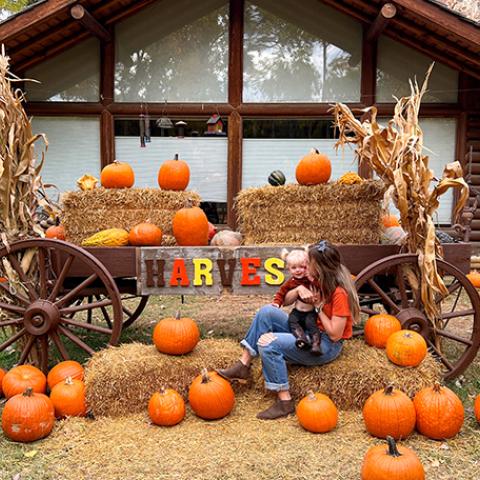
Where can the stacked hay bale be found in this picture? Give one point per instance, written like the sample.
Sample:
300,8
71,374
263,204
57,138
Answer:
87,212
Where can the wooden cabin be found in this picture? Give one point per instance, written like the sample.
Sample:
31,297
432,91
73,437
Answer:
109,70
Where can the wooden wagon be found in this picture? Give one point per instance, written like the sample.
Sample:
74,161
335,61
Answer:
76,291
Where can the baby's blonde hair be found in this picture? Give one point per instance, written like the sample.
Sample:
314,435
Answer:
294,256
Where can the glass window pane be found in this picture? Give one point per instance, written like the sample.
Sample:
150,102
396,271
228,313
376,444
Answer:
71,76
398,63
174,51
300,52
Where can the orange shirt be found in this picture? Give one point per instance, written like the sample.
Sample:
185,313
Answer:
338,307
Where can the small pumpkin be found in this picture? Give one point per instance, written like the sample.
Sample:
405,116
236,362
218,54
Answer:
389,412
174,174
117,175
176,336
394,462
406,348
390,221
63,370
87,182
474,278
313,169
476,408
145,234
211,396
19,378
276,178
378,329
68,398
55,231
227,238
190,227
2,374
28,416
111,237
166,408
317,413
440,412
350,178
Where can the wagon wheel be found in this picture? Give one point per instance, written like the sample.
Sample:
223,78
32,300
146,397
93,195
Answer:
389,285
36,308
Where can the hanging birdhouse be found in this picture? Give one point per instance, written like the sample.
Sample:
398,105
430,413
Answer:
215,125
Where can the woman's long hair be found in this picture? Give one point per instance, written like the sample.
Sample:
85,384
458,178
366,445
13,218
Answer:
329,272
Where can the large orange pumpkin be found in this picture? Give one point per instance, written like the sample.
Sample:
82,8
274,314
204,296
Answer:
68,398
211,396
176,336
117,175
166,408
313,169
394,463
19,378
28,416
389,412
379,327
440,412
476,408
63,370
474,278
174,174
317,413
55,231
145,234
406,348
390,221
2,374
190,227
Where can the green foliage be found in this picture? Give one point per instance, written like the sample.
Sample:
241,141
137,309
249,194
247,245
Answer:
15,6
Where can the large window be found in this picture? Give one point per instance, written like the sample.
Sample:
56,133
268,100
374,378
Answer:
174,51
300,52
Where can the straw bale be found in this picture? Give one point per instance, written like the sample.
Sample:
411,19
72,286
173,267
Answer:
342,214
85,213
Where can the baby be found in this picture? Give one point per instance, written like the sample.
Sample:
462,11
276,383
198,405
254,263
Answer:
302,320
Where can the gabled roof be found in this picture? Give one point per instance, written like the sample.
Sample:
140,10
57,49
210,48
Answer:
47,28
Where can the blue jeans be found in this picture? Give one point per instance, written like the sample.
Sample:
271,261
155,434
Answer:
283,349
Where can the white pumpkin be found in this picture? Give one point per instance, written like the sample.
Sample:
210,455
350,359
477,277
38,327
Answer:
227,238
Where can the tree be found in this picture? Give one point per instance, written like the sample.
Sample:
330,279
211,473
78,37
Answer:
9,7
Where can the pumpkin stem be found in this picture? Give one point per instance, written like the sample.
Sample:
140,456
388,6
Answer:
162,389
68,381
205,377
177,315
392,447
311,395
176,156
388,390
437,387
28,392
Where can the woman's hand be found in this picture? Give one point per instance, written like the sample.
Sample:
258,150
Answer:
305,295
266,339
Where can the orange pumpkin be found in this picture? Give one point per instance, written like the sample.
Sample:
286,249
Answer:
145,234
379,327
317,413
117,175
211,396
476,408
176,336
190,227
19,378
174,174
406,348
68,398
313,169
390,221
394,462
55,231
474,278
389,412
166,408
2,374
440,412
63,370
28,416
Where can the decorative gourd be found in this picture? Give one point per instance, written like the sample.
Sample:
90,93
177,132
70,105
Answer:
176,336
19,378
2,374
117,175
174,175
190,227
166,408
276,178
350,178
212,230
317,413
440,412
476,408
394,462
390,221
406,348
68,398
313,169
28,416
227,238
63,370
87,182
111,237
55,231
211,396
146,234
389,412
474,278
379,327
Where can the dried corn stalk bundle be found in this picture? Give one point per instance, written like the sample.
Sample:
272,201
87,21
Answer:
395,153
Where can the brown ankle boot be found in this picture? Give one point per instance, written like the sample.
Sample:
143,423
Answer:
301,339
281,408
238,372
316,344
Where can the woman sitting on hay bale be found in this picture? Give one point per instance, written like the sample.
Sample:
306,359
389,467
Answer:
269,336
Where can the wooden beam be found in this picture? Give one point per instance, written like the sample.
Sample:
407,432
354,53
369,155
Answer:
289,109
369,69
84,17
171,109
107,138
235,53
234,168
63,108
386,13
107,70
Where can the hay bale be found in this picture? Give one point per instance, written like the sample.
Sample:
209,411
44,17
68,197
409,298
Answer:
85,213
342,214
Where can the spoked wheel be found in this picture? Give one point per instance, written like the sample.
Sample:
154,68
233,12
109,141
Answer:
37,300
391,285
